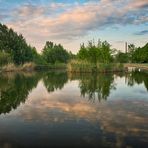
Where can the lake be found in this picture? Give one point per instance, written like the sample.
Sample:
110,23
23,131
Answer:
59,109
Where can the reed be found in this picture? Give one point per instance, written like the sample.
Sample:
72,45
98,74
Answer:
12,67
77,66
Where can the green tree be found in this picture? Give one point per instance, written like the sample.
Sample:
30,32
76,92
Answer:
121,57
53,53
131,51
5,58
101,52
106,52
83,52
138,55
92,52
15,45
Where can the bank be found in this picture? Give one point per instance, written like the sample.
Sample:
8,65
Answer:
76,67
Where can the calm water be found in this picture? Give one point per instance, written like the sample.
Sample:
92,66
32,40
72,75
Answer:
56,109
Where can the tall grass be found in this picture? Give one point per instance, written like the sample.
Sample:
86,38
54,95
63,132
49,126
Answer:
28,66
9,68
12,67
78,66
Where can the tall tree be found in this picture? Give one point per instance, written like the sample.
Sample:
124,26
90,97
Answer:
53,53
101,52
15,45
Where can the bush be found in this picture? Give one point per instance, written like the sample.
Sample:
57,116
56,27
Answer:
5,58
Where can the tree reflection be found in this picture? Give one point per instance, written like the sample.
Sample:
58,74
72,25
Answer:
96,86
55,80
15,89
137,77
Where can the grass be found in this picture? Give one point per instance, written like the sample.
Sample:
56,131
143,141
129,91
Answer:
32,67
28,66
74,66
12,67
77,66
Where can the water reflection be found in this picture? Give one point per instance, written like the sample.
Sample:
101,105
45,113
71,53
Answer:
55,112
137,78
55,80
95,86
14,89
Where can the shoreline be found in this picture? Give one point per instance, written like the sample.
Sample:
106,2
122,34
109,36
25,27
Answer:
31,67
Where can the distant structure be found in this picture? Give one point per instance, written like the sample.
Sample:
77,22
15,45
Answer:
126,47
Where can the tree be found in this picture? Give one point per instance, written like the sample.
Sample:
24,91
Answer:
131,50
92,52
71,55
106,52
5,58
53,53
101,52
121,57
15,45
83,52
138,55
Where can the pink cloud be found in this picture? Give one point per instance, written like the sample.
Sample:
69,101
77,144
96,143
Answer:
41,23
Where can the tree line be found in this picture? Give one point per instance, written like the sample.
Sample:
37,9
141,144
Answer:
133,55
103,53
15,49
100,52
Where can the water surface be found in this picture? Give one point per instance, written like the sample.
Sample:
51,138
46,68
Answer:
56,109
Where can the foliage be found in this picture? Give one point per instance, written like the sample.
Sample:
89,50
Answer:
134,55
79,66
121,57
96,53
140,55
71,55
53,53
5,58
15,45
14,49
38,58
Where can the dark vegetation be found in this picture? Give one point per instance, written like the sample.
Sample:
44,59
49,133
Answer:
14,49
133,55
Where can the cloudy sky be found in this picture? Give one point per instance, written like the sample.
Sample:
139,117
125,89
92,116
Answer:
71,22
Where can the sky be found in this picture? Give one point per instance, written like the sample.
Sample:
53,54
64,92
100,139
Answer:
72,22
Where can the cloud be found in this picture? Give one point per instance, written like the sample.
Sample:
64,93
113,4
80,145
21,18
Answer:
2,16
60,21
143,32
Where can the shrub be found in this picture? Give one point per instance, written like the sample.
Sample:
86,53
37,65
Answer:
5,58
85,66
